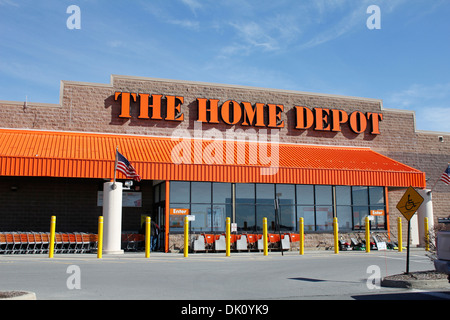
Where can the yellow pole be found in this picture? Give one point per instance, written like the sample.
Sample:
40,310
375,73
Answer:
265,236
302,236
367,234
336,234
147,236
427,235
399,232
100,237
227,234
186,236
52,237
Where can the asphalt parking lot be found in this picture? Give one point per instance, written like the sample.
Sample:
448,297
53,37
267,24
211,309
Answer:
316,275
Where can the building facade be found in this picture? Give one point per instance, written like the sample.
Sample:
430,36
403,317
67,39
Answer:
215,151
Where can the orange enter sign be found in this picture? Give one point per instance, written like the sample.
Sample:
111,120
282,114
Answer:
179,211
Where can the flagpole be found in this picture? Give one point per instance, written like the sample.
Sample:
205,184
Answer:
431,189
438,179
115,168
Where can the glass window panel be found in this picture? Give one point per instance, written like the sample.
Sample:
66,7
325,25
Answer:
379,215
307,213
376,195
379,223
220,213
305,194
286,193
176,221
265,211
201,192
265,193
343,195
156,189
359,216
245,217
202,222
163,192
245,193
360,196
179,192
344,215
287,218
324,218
221,192
323,195
217,217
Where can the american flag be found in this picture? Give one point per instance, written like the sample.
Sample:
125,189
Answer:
445,177
124,166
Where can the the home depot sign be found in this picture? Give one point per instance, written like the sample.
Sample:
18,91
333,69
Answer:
232,112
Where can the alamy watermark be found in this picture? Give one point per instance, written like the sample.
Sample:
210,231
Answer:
74,20
234,147
74,280
374,20
374,280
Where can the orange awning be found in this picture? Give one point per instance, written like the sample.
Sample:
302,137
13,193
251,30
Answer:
91,155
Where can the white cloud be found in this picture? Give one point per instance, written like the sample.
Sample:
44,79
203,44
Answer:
164,13
419,93
299,25
434,119
192,4
325,27
8,3
253,34
270,33
29,72
431,103
115,43
189,24
328,35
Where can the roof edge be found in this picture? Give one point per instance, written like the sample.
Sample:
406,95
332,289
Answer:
223,85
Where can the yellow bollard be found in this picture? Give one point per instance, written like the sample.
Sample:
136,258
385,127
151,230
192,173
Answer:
148,223
399,232
228,234
186,236
100,237
302,236
265,236
427,235
52,237
367,234
336,235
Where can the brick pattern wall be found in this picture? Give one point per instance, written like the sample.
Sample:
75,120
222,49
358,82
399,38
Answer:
28,203
92,108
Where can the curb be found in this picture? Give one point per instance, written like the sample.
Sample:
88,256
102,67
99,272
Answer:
416,284
17,295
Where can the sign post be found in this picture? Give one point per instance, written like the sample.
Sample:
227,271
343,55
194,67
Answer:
408,206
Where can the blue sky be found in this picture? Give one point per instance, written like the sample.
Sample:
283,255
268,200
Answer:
319,46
